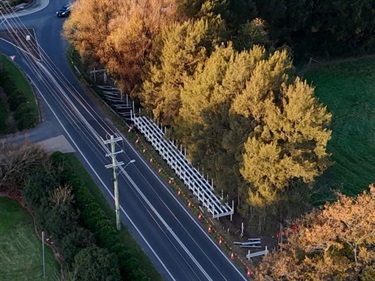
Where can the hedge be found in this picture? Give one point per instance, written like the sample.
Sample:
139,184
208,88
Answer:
95,219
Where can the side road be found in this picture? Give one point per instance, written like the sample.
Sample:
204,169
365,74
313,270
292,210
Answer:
32,7
46,134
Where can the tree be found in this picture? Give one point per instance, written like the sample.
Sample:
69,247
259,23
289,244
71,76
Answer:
60,221
335,242
269,148
74,242
189,9
18,162
182,50
289,134
124,34
320,27
252,33
132,35
205,116
87,27
61,195
35,192
95,263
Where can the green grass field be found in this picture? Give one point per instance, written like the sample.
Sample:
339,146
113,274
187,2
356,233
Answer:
20,249
21,82
348,90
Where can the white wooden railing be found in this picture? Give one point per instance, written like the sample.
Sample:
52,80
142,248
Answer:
200,187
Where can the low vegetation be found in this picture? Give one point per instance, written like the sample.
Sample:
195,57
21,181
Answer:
17,99
133,262
3,116
64,207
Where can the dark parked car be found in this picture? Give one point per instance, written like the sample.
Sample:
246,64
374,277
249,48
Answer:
64,11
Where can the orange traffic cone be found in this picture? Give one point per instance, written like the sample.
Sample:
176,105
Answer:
232,256
220,241
248,274
209,229
199,216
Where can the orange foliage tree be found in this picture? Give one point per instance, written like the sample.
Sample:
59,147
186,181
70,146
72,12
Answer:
118,34
336,242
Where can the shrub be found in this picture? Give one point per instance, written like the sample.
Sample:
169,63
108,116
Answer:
4,76
15,99
60,221
96,263
98,223
35,193
8,84
74,242
3,117
25,117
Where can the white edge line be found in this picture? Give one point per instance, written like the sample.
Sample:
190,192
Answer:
104,185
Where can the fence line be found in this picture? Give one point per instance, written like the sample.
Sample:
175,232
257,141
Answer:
177,161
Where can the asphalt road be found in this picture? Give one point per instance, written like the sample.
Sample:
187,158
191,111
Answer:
173,239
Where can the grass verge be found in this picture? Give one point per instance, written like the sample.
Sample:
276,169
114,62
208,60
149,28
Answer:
348,91
21,82
125,236
20,249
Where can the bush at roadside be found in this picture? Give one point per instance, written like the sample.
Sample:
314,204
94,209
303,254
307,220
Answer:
16,100
95,219
66,210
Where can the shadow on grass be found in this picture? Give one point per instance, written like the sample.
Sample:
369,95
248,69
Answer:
348,91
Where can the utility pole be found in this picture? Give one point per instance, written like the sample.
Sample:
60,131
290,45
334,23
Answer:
114,165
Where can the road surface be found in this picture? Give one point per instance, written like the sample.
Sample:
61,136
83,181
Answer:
173,239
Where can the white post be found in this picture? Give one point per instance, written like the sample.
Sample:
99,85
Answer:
231,215
43,256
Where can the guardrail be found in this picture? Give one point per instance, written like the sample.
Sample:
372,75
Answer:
194,181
